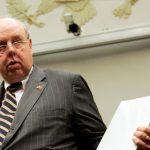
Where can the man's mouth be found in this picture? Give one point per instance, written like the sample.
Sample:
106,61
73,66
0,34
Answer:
13,65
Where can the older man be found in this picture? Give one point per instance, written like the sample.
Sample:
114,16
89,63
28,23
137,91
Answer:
54,109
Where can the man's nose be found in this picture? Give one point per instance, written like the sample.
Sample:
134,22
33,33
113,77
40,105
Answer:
11,51
10,46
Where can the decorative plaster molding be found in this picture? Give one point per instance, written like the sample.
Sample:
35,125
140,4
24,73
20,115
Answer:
81,10
95,40
125,9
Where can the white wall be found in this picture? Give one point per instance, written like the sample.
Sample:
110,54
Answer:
114,72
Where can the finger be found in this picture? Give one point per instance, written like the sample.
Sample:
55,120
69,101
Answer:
141,140
144,129
140,135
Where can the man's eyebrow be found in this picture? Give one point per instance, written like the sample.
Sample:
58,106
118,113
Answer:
2,42
17,37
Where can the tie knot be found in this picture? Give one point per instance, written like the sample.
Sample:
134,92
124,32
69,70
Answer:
14,87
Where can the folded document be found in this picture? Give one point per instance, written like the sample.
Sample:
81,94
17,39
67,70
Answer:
129,115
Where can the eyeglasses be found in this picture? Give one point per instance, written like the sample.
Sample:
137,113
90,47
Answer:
17,45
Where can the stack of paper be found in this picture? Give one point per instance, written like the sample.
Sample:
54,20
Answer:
129,115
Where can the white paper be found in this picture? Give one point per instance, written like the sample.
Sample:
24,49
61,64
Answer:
129,115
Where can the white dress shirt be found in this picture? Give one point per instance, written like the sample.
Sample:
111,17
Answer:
19,92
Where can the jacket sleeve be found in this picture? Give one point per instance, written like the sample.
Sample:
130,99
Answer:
88,124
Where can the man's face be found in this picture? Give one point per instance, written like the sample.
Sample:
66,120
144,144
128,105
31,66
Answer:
15,51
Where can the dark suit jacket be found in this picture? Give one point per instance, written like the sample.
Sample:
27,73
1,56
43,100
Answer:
56,112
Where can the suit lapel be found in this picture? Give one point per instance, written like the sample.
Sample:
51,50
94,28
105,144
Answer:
35,87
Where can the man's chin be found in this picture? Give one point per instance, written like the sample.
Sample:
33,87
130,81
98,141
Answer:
14,76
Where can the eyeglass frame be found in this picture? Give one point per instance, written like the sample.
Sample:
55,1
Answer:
14,44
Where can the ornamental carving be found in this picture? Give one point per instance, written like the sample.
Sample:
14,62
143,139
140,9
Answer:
81,10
